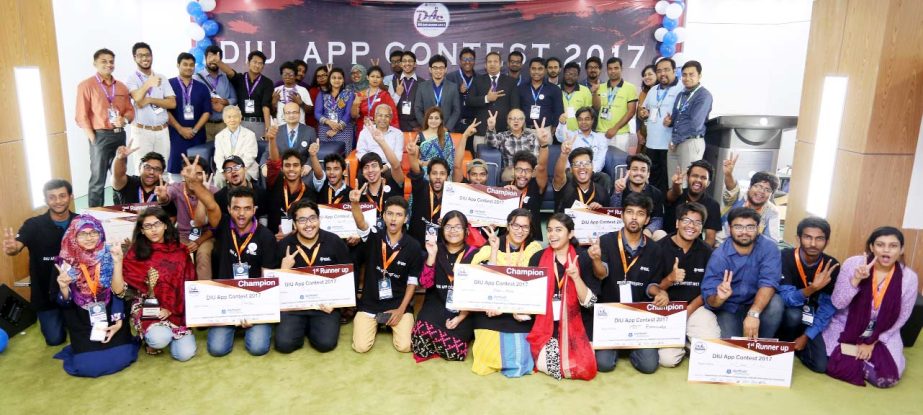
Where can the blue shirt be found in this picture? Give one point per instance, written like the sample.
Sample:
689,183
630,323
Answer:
201,102
218,87
761,268
659,102
547,97
690,111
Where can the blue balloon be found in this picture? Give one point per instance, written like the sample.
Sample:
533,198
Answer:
204,43
667,50
200,18
669,23
4,339
193,8
211,27
670,38
198,53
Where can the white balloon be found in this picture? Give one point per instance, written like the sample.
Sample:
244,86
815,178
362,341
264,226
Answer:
680,33
661,7
207,5
196,32
674,10
659,33
679,58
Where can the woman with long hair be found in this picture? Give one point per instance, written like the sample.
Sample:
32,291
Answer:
648,80
319,83
158,259
435,139
558,338
332,110
101,343
874,295
441,331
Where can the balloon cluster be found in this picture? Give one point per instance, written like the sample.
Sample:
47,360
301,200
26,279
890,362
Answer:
670,34
201,29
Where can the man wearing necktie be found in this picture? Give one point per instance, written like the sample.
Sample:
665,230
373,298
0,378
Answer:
492,92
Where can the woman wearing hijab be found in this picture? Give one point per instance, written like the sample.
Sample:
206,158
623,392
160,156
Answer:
873,303
558,339
357,79
441,331
158,259
101,343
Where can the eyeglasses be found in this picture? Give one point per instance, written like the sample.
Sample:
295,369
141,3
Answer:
292,112
748,228
467,60
88,235
149,168
517,118
762,188
305,220
152,225
687,222
453,228
232,169
582,163
522,170
437,68
518,228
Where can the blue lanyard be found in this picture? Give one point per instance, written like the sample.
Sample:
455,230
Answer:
464,79
683,104
437,92
292,137
612,93
535,94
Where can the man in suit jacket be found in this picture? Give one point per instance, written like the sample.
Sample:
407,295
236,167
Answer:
438,92
235,140
294,134
403,88
492,92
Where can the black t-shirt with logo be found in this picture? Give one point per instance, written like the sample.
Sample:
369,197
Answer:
693,262
42,237
404,269
261,251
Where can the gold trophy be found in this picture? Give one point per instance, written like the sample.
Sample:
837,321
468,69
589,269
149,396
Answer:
150,307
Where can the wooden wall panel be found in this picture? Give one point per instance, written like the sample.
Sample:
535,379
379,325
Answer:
11,52
40,49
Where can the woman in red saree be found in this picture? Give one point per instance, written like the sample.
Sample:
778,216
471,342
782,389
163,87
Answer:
558,339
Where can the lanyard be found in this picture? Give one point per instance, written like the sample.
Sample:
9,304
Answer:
535,94
372,100
407,88
451,276
683,104
187,92
310,262
110,96
612,93
142,78
560,281
381,198
433,208
285,193
522,195
141,198
240,248
188,204
465,79
437,92
250,89
92,281
625,265
330,198
589,199
208,79
385,261
804,278
877,295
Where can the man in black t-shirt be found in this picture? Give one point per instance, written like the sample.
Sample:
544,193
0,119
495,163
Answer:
392,274
631,268
285,186
382,184
579,187
42,236
427,194
141,188
636,180
310,246
697,177
685,257
254,93
243,248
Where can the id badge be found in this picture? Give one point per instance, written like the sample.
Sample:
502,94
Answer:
98,333
535,112
188,112
249,106
406,108
868,330
556,309
241,271
432,231
604,113
195,234
807,315
449,304
571,112
215,95
333,117
286,226
97,312
113,115
384,289
625,292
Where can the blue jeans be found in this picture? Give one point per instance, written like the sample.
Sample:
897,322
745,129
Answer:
791,327
732,324
321,329
256,339
51,323
644,360
160,336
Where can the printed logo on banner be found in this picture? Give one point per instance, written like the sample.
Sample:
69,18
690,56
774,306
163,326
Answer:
431,19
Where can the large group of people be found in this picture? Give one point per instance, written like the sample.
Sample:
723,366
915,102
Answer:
677,243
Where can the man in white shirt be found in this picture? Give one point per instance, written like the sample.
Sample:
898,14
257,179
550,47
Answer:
152,95
290,91
585,136
382,126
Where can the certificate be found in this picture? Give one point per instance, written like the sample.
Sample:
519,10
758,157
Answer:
482,205
118,220
741,362
228,302
593,223
498,288
309,288
338,218
639,325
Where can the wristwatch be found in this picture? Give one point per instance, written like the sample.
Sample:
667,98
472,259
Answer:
754,314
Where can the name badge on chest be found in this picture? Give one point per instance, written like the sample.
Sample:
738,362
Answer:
625,292
97,311
535,112
241,271
571,112
406,108
157,110
449,304
249,106
604,113
556,307
807,315
188,112
869,329
384,289
113,115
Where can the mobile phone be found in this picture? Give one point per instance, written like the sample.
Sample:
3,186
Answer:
382,318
